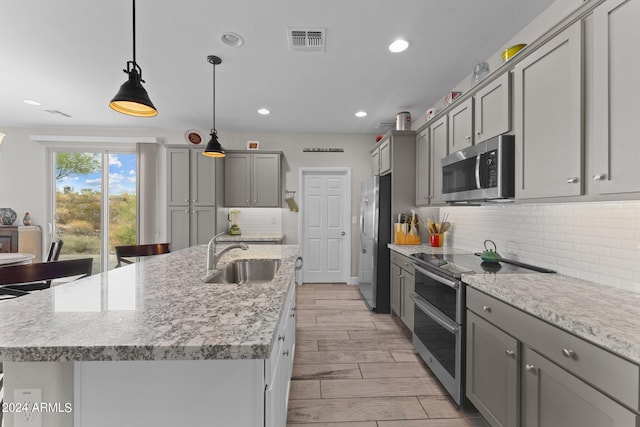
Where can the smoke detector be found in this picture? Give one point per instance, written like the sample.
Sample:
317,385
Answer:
306,39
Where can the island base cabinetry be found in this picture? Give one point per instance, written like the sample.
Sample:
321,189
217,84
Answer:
522,371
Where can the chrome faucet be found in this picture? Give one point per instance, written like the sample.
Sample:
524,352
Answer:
213,258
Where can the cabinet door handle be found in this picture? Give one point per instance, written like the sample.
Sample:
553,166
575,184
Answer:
280,337
599,177
569,353
186,211
401,276
486,308
511,354
195,200
478,133
292,315
285,353
186,200
530,368
573,180
468,138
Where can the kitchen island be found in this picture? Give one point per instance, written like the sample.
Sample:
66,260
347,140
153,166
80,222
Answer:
152,344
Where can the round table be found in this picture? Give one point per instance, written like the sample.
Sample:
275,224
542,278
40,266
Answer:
7,259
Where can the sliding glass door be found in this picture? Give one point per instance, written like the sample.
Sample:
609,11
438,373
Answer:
94,203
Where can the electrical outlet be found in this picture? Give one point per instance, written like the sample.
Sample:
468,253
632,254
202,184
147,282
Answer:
26,417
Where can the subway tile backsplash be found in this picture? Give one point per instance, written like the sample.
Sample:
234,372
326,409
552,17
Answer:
598,242
259,221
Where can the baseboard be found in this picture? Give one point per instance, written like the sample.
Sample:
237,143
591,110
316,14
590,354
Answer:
353,281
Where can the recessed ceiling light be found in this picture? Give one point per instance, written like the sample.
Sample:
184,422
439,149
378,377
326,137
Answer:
399,46
232,39
31,102
264,111
361,114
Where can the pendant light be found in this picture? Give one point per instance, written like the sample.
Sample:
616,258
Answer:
214,149
132,99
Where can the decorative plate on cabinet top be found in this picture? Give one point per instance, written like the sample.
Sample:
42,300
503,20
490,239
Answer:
193,136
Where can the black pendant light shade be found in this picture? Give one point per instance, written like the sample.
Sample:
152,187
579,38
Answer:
132,99
214,149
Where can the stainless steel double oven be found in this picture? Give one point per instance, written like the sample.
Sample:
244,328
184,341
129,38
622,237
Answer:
439,316
438,332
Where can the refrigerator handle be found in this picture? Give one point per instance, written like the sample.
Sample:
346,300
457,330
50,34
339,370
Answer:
362,203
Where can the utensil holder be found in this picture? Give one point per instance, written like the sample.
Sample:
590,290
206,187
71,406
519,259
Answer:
436,240
405,234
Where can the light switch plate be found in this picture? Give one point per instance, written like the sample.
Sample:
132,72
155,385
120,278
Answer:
354,220
26,417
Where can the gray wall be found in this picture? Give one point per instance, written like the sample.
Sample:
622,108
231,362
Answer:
23,181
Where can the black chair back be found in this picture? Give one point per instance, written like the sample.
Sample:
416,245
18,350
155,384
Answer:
138,251
54,249
44,271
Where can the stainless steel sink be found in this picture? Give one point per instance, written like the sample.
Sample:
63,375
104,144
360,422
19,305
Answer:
246,271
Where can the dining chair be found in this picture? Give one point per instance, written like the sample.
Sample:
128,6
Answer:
54,253
131,251
13,276
54,249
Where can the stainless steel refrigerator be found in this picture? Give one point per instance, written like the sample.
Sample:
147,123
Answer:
375,234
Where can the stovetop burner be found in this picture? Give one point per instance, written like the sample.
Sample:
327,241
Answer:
455,265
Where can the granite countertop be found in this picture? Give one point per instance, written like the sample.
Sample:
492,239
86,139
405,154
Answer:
157,309
605,316
251,238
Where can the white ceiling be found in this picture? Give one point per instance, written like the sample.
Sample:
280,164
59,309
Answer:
69,55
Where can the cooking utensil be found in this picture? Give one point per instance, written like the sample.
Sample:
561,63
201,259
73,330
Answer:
490,255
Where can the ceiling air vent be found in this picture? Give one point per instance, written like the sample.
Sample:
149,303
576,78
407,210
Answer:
306,39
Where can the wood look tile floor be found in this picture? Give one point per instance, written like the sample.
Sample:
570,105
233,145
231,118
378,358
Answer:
355,368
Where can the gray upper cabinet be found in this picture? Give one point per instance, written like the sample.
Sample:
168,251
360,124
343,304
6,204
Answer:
265,187
252,179
178,176
492,109
381,156
438,150
461,126
203,179
614,149
431,147
423,168
191,178
548,115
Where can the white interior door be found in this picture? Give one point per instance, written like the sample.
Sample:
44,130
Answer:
326,232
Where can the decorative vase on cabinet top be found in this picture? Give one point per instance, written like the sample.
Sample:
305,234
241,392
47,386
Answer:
8,216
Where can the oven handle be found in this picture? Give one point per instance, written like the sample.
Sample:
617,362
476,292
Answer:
478,171
450,283
422,305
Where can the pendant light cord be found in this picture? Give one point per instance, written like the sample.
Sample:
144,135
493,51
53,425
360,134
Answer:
134,34
214,98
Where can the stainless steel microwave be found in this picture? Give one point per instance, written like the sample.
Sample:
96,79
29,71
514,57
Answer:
481,172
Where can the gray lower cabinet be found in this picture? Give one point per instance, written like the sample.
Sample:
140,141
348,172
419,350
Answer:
522,371
492,372
190,225
252,179
396,272
403,285
554,397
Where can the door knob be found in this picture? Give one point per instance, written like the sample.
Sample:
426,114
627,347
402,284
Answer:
343,233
